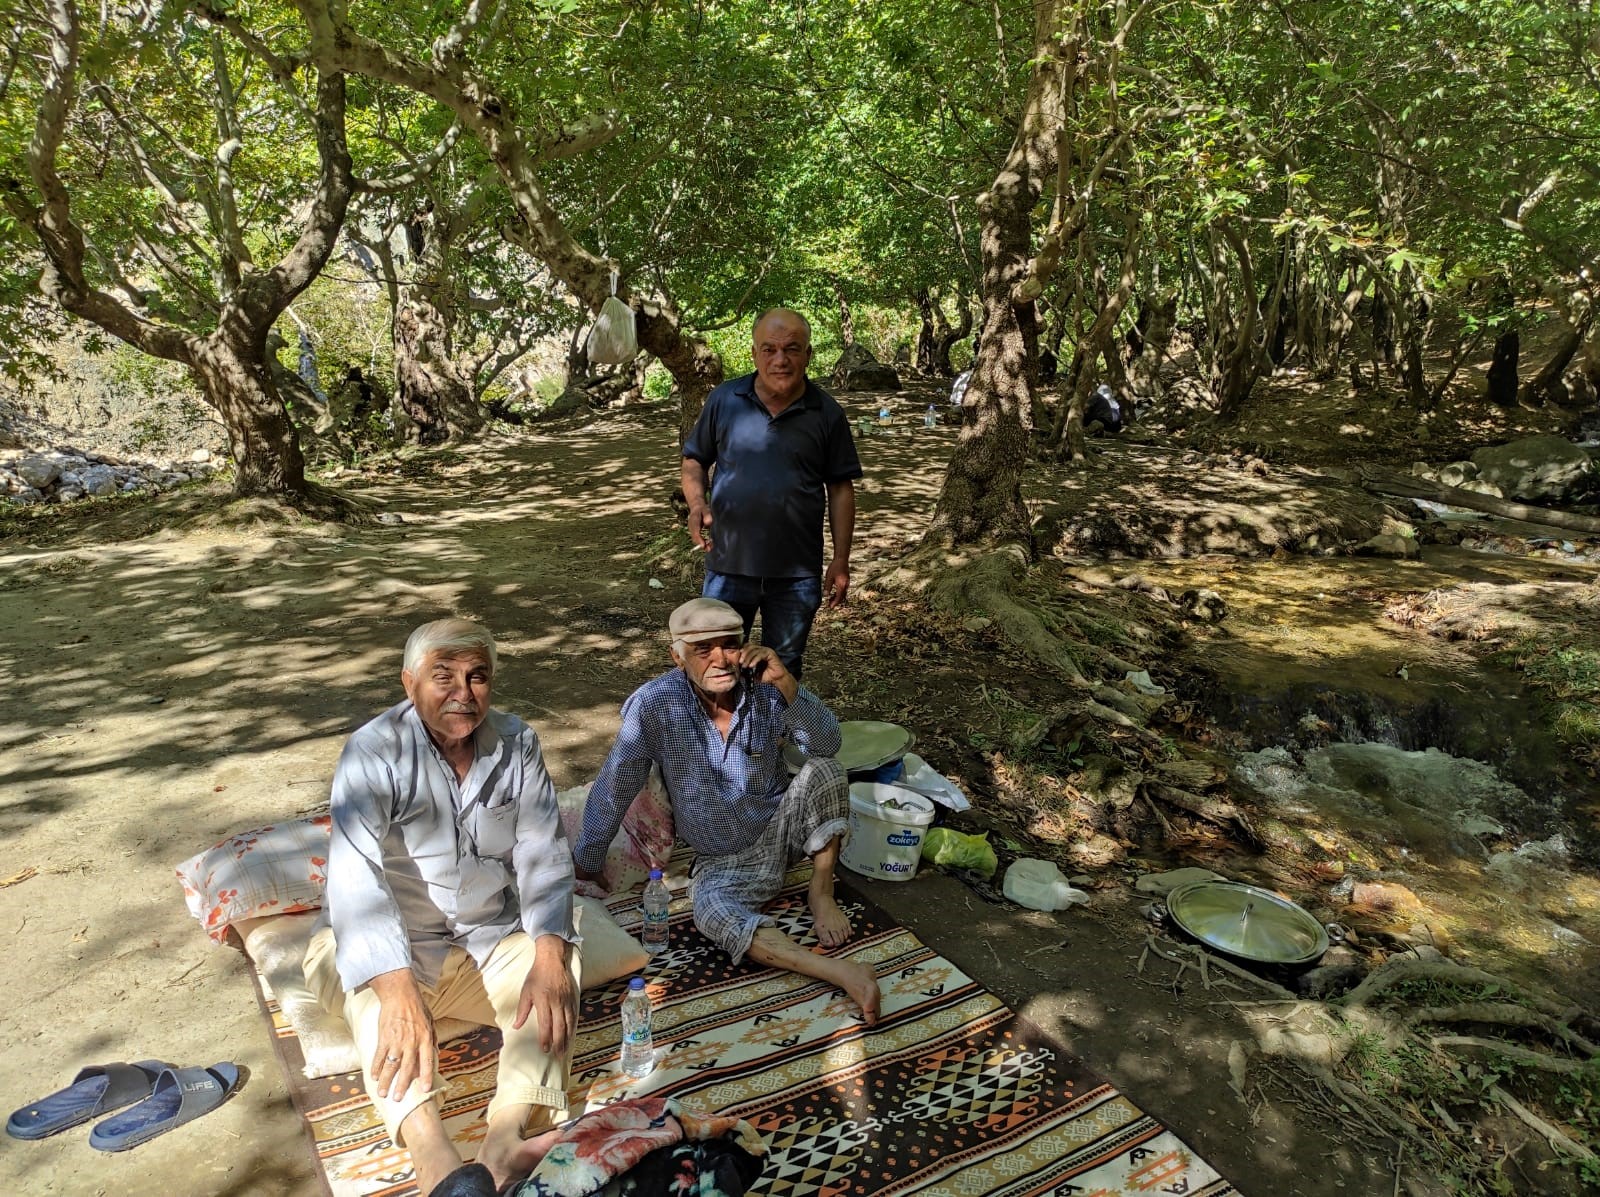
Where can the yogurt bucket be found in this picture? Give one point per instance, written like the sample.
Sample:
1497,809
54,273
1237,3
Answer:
887,824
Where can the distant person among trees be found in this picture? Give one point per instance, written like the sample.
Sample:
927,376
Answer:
450,895
1107,411
778,453
715,726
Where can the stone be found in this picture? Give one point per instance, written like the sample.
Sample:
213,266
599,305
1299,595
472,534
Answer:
1401,548
1479,487
1421,469
69,494
28,497
570,402
200,455
1329,981
1387,898
1162,884
1204,605
98,480
37,471
1538,469
1458,472
858,370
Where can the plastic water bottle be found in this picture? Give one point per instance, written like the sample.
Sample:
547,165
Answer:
638,1046
656,932
931,418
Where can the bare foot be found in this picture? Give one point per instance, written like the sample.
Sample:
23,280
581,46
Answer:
520,1159
832,927
861,983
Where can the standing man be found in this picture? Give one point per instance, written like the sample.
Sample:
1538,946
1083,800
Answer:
782,453
450,895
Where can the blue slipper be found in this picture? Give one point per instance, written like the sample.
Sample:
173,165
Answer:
181,1095
96,1090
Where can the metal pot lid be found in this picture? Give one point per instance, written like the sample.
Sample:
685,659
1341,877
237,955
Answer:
1248,922
865,744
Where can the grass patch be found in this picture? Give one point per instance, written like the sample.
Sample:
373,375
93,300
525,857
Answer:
1567,672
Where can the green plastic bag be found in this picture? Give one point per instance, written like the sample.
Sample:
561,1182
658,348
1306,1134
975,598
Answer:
945,847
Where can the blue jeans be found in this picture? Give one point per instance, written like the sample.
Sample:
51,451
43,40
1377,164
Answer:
787,607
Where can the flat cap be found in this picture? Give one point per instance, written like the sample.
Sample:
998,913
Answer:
704,619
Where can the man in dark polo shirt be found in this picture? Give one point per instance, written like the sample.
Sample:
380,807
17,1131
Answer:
778,451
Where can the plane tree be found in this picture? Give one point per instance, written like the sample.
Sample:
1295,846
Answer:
181,186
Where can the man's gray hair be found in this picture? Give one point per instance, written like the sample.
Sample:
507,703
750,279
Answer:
451,637
755,329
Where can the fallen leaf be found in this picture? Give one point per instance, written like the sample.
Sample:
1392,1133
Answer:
18,878
1236,1067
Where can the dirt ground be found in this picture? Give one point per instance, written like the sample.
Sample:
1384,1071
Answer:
164,688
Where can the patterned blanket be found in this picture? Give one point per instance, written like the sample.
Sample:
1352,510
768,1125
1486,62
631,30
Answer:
950,1094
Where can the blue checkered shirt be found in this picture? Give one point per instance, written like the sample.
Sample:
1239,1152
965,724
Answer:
723,793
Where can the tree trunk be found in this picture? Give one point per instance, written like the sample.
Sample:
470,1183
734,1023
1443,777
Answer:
1547,381
981,501
1234,366
427,376
949,335
923,360
231,362
261,439
1382,330
1156,317
1503,369
847,322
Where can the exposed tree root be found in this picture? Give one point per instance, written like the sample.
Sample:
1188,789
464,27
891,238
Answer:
1501,1014
1456,974
1474,1045
1213,810
986,586
1561,1142
1388,483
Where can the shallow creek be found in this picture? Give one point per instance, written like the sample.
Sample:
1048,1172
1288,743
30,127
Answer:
1404,756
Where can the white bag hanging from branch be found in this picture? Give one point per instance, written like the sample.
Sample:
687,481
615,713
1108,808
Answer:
612,340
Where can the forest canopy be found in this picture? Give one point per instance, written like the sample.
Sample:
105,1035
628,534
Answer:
1055,177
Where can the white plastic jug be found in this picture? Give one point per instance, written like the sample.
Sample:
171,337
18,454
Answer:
1039,885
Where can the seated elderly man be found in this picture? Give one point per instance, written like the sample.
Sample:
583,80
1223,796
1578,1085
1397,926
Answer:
450,894
715,727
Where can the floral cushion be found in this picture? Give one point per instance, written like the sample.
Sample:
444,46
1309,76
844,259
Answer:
280,869
642,843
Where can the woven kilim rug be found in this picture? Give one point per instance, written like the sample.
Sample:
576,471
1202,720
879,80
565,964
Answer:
950,1095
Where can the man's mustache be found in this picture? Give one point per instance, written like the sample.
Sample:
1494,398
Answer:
460,708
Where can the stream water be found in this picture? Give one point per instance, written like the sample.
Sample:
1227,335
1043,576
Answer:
1441,825
1411,759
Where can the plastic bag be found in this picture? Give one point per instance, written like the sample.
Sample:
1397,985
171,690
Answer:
1039,885
613,340
957,851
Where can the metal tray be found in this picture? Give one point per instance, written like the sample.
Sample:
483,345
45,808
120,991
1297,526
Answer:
1247,922
866,744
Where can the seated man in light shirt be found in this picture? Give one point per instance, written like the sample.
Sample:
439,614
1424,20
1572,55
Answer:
715,726
450,895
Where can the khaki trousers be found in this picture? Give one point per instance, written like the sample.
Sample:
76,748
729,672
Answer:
528,1075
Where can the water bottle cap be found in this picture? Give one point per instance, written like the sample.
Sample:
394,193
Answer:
636,983
655,874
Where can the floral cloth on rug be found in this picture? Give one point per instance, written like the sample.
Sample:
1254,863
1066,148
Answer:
646,1147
